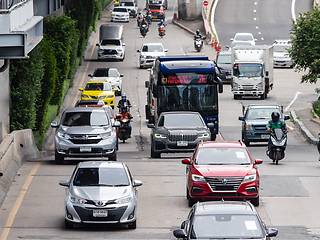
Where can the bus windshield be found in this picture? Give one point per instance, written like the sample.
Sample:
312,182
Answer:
247,70
198,98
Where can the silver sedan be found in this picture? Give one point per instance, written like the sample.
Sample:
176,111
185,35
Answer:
101,192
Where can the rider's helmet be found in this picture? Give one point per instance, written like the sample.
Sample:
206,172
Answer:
197,32
161,20
275,116
123,97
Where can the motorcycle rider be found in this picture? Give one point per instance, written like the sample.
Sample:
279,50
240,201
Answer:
161,23
125,113
144,21
196,37
275,123
139,18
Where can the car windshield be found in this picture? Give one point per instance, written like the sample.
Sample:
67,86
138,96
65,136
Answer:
110,113
155,7
222,156
152,48
247,70
127,4
181,121
261,113
120,10
226,226
282,48
224,59
242,37
110,43
97,86
235,43
101,177
93,118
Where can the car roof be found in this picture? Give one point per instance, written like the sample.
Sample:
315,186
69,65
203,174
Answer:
84,109
244,34
263,106
101,164
230,144
224,207
180,112
224,53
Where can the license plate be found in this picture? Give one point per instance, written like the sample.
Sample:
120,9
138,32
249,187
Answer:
154,16
264,136
182,143
100,213
85,149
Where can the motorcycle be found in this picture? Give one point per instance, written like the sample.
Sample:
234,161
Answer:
161,31
143,30
149,19
198,44
124,118
139,20
278,144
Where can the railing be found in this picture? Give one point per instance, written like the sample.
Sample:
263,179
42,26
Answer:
7,4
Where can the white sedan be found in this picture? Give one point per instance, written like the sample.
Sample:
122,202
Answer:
120,14
149,53
244,37
111,75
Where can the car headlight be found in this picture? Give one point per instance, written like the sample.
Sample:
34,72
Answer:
198,178
260,86
204,135
249,127
120,50
101,97
106,135
250,178
64,135
235,86
159,135
100,51
78,200
143,57
275,143
84,96
126,199
110,96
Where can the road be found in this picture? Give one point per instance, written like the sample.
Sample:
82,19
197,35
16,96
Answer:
34,207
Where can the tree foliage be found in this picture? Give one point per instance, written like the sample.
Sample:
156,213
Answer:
305,39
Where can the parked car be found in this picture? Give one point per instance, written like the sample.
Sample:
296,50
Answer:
223,66
149,53
177,132
157,11
101,192
120,14
98,90
222,170
281,56
224,220
254,122
110,75
85,132
244,37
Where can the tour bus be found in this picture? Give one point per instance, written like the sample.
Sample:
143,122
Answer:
184,83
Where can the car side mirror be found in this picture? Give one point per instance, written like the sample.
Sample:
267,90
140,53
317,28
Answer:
272,232
98,44
123,44
255,40
258,161
90,75
81,89
286,117
54,125
150,125
241,118
166,50
118,116
138,50
231,39
121,75
186,161
64,183
137,183
179,234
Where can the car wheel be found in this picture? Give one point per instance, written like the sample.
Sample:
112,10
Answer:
58,158
147,110
117,146
255,201
112,107
113,157
133,225
262,96
191,201
67,224
153,153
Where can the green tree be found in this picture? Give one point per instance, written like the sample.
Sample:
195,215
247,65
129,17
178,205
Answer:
305,39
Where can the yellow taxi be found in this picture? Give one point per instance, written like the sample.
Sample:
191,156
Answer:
98,90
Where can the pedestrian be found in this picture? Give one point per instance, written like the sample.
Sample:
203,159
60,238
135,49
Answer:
318,145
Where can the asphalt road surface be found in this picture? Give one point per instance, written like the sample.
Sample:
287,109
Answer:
34,207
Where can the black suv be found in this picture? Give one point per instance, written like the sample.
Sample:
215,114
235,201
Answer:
223,65
178,132
224,220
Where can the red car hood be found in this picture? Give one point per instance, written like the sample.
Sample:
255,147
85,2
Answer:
225,170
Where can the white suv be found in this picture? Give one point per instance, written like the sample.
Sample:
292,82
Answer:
281,56
149,53
131,6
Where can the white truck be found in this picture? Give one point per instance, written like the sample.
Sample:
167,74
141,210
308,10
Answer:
252,70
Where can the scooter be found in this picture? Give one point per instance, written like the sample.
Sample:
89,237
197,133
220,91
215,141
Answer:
161,31
124,119
278,144
143,30
198,44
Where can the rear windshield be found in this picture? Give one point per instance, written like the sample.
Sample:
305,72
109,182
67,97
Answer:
155,7
127,4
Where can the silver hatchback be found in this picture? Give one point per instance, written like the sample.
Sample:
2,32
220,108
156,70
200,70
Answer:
101,192
85,132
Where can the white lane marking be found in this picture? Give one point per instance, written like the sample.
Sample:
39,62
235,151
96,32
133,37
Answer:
254,10
293,10
255,3
293,100
255,19
257,27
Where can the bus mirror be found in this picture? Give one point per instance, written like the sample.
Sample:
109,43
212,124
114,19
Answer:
155,90
267,73
220,85
147,84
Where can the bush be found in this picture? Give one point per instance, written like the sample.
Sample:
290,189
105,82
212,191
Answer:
316,107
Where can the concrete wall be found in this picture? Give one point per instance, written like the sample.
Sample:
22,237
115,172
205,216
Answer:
189,9
5,96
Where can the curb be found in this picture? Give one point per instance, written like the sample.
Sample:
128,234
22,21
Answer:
305,132
183,27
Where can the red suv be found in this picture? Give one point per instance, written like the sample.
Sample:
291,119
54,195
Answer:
219,170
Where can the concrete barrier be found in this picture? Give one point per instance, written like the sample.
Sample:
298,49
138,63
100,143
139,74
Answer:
15,149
